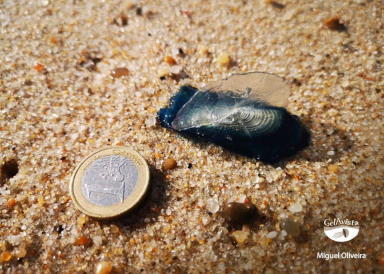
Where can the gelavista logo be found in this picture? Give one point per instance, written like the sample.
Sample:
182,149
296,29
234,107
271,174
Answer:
341,230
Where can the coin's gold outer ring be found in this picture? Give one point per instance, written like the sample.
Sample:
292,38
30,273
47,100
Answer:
105,212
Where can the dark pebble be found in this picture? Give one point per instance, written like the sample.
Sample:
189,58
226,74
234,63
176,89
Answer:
139,11
8,170
239,213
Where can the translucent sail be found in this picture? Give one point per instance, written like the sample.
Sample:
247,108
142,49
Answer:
263,86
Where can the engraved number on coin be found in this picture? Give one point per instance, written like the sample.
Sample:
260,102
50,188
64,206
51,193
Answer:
109,180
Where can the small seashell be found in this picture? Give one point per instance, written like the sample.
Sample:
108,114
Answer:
243,113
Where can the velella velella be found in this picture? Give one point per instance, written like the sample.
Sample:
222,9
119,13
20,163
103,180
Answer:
244,113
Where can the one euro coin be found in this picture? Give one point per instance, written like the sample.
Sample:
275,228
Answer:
109,182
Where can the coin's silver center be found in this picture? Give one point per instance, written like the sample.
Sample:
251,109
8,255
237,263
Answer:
109,180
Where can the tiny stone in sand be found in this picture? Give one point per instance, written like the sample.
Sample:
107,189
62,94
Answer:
169,164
